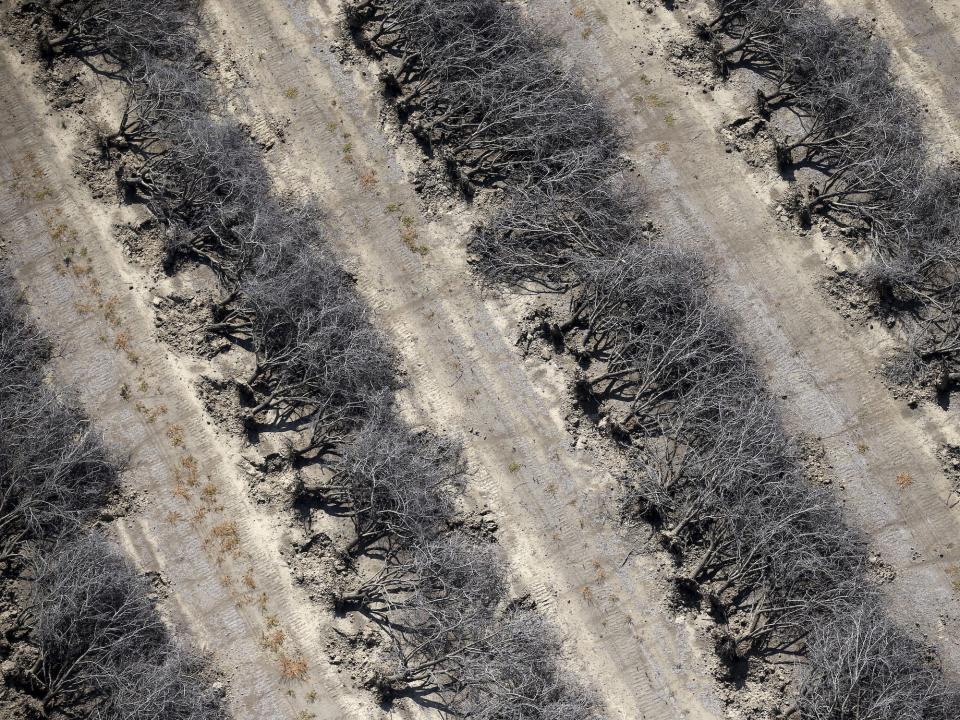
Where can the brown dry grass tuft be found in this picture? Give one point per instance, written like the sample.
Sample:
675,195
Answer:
227,535
176,435
293,668
272,641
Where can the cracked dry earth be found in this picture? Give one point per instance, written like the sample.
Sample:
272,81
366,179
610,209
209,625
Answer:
224,577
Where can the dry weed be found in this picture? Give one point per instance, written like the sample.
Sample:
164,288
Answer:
227,535
176,435
272,641
368,179
293,668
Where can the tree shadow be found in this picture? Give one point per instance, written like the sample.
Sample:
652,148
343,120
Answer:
943,397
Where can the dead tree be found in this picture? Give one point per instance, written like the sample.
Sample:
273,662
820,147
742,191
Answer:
174,686
54,469
861,665
539,234
319,361
523,677
23,349
159,97
92,615
452,570
101,644
119,31
398,486
650,331
437,604
713,462
756,28
205,179
473,80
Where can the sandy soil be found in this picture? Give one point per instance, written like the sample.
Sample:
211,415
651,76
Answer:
822,366
220,572
554,503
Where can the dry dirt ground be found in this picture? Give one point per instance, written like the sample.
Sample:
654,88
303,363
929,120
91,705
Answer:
554,499
881,452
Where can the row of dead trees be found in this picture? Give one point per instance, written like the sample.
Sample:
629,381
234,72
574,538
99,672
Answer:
87,637
439,585
846,118
324,375
318,362
711,467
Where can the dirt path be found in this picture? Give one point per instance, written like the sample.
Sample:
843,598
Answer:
821,365
223,579
554,503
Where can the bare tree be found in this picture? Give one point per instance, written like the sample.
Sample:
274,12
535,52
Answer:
397,485
484,87
23,349
860,665
522,677
540,233
120,31
54,469
447,573
437,603
160,95
206,179
651,333
174,686
319,360
756,27
92,615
